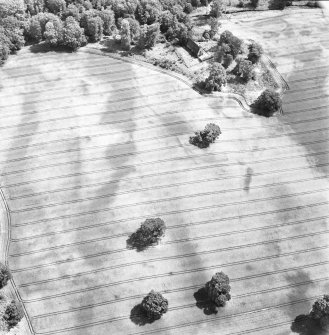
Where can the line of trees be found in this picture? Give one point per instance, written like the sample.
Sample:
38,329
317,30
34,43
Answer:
72,24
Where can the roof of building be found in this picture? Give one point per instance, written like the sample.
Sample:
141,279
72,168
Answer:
192,46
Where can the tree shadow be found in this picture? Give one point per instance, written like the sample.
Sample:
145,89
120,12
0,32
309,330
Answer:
138,316
203,302
304,325
44,48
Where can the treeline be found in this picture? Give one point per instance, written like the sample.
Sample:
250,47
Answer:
73,23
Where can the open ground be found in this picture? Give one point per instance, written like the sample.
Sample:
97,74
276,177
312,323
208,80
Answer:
91,146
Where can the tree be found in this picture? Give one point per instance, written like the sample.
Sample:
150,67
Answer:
54,33
188,8
203,138
4,51
94,29
254,3
216,78
72,10
149,36
35,6
135,29
149,233
11,29
244,69
255,52
33,30
12,315
125,35
217,8
320,312
107,16
214,26
218,289
228,59
15,8
73,35
5,275
56,6
232,41
148,11
267,103
154,305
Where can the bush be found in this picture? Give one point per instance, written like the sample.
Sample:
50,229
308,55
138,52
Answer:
320,312
267,103
5,275
216,78
149,233
255,52
218,289
13,314
154,305
203,138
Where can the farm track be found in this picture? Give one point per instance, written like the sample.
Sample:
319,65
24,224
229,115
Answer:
114,150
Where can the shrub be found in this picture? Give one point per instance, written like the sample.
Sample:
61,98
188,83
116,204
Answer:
13,314
218,289
214,26
154,305
216,78
4,51
149,233
255,52
5,275
267,103
203,138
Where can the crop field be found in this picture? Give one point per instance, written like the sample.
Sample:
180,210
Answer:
92,146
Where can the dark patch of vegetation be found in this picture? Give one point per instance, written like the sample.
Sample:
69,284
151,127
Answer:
244,69
203,138
218,289
149,233
267,103
5,275
13,314
279,4
154,305
203,302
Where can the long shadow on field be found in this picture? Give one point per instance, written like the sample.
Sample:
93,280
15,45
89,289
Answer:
138,316
304,325
204,303
313,92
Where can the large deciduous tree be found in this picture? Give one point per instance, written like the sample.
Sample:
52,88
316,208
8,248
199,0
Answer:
216,78
154,305
73,35
267,103
218,289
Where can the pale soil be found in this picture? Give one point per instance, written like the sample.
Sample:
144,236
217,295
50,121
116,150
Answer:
91,146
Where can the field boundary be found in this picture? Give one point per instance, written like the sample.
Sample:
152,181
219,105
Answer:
11,288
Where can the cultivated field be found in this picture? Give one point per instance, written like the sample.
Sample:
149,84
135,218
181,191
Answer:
91,146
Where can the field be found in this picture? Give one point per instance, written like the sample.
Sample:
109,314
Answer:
91,146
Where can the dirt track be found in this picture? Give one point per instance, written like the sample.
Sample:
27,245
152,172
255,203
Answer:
91,146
